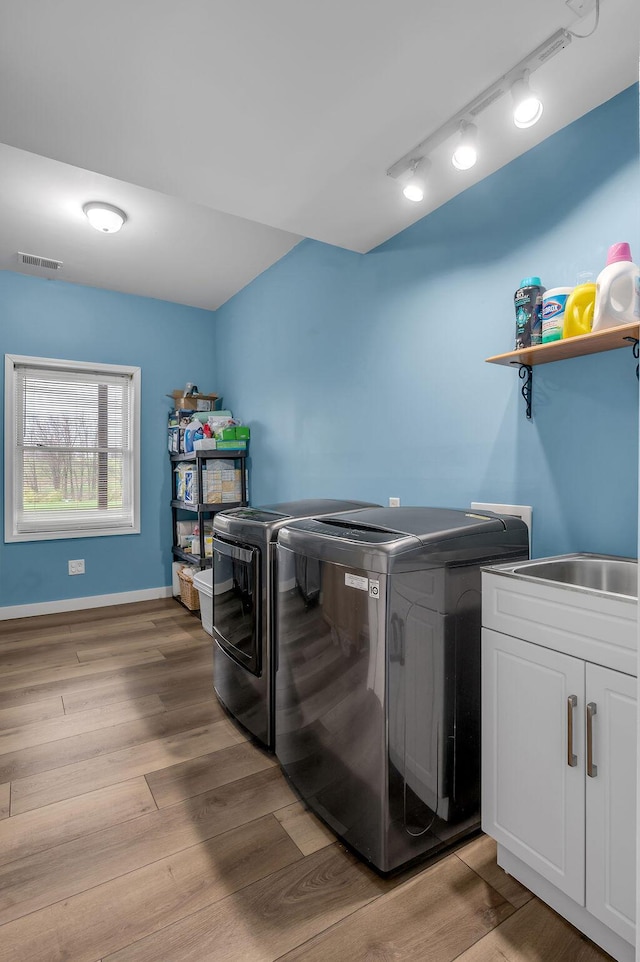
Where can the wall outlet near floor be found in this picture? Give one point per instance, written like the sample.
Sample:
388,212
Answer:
394,502
524,511
76,567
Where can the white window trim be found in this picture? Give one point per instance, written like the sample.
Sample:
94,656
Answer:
10,363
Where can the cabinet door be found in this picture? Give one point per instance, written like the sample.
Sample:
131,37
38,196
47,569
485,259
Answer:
611,800
532,798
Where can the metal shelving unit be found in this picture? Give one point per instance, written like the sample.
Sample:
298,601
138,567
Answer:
204,510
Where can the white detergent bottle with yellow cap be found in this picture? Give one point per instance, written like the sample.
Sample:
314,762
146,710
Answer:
617,290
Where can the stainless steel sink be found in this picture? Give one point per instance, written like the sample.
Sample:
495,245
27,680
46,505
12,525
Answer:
592,572
583,605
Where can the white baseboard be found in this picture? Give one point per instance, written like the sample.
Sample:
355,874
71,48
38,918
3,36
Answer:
79,604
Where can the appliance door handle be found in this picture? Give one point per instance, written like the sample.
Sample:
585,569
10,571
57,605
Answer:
234,551
592,709
572,760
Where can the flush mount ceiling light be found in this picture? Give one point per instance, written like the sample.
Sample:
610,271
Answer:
465,155
415,186
527,111
527,106
104,217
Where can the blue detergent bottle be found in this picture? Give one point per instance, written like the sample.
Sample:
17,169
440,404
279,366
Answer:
528,304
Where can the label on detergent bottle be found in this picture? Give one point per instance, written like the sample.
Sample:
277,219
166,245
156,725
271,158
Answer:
554,303
528,305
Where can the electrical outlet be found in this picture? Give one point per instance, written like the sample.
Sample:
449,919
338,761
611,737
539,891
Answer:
76,567
394,502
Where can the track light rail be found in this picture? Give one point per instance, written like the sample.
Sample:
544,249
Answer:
541,55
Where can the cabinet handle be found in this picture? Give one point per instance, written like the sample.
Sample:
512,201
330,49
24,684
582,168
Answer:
592,709
572,760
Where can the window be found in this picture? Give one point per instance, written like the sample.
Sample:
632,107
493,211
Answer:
71,449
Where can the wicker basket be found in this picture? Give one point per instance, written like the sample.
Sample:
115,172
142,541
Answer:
188,592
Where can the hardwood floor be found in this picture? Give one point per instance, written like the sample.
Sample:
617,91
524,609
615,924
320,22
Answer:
138,824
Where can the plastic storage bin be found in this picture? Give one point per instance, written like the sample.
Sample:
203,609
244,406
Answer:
203,580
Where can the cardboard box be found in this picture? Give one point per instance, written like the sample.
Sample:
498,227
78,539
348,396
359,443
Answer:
174,441
204,444
193,402
232,445
191,494
184,531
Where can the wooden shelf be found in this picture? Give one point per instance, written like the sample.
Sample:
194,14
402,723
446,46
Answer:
594,343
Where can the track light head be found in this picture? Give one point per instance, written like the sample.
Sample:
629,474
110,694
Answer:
413,191
465,155
527,106
415,185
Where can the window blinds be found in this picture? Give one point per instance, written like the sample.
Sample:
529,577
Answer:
74,457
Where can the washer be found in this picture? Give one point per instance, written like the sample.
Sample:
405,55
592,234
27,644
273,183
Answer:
378,685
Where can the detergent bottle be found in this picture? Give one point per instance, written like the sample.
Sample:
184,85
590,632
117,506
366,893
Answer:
528,305
554,303
578,312
617,290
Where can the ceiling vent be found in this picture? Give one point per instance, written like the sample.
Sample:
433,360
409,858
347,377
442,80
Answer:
32,260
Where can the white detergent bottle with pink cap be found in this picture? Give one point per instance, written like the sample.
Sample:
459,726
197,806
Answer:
617,290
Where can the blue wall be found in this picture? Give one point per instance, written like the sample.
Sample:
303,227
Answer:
172,345
363,376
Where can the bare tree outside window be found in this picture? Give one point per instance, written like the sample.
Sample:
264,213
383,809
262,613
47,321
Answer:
67,461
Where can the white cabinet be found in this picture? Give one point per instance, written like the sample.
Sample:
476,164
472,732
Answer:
558,781
532,800
611,801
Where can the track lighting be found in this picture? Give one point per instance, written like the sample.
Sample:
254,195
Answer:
415,186
527,107
410,170
104,217
465,155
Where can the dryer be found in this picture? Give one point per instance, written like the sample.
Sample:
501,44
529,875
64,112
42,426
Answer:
243,605
378,684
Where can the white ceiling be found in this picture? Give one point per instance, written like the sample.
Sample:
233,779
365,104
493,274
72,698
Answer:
229,130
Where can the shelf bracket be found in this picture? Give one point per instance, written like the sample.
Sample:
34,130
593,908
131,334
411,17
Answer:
525,373
636,352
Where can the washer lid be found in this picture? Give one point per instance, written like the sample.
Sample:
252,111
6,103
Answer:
257,515
314,507
305,508
264,520
427,525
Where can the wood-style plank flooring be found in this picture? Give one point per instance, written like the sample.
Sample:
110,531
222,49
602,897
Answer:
138,824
